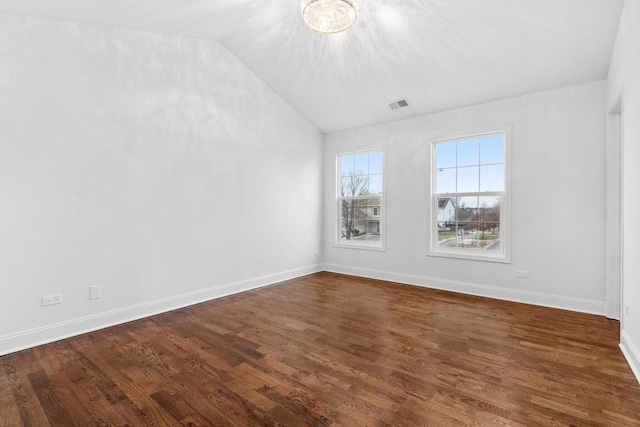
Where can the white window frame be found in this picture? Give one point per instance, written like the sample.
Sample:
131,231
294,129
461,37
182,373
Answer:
358,244
504,254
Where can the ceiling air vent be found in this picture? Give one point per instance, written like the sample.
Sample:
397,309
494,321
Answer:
397,104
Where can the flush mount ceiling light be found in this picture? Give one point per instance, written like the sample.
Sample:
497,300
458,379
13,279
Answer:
329,16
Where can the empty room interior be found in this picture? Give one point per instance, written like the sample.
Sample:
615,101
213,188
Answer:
319,212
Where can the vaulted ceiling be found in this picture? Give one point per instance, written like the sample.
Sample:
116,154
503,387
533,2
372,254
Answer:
436,54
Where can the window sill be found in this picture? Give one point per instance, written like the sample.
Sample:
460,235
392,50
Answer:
361,245
499,258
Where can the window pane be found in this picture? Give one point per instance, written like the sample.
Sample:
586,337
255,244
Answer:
488,218
489,201
375,184
492,178
375,162
372,220
351,218
361,185
361,163
492,149
446,212
465,208
468,179
446,155
354,185
346,165
467,224
345,187
446,180
468,152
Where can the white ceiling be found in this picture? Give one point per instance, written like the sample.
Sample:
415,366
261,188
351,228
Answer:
437,54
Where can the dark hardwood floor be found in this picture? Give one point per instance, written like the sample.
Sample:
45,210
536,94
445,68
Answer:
328,349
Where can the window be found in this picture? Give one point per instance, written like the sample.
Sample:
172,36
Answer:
470,197
359,196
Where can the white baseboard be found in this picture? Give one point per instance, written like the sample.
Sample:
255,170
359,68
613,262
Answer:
46,334
631,353
535,298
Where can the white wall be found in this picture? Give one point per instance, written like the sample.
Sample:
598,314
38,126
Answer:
159,168
558,193
624,83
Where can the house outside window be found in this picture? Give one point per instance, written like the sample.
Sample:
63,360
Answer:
360,199
470,197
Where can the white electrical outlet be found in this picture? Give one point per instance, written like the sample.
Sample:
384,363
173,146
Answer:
94,292
51,300
522,274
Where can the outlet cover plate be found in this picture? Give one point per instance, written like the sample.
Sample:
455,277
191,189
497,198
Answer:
51,300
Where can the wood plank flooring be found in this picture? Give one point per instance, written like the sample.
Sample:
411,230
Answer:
329,349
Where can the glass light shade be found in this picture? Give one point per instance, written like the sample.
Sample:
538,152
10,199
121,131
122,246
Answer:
329,16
